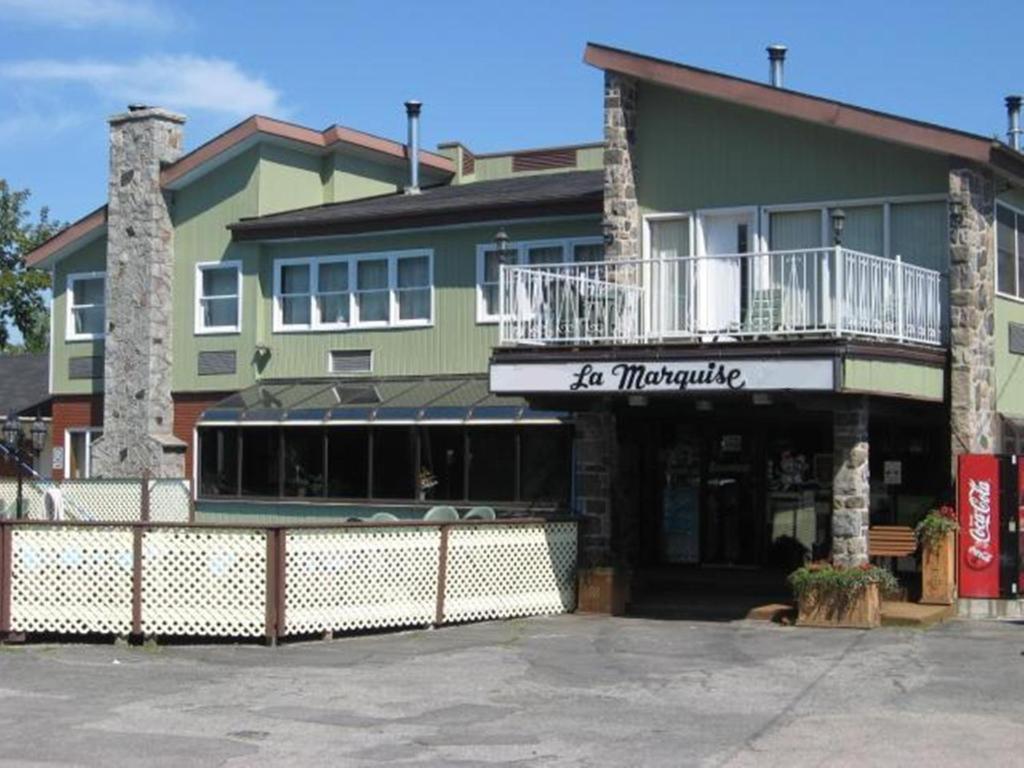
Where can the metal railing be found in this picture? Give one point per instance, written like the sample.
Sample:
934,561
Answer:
816,291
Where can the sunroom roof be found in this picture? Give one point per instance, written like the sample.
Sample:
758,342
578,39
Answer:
405,400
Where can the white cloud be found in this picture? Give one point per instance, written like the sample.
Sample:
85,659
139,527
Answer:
78,14
182,82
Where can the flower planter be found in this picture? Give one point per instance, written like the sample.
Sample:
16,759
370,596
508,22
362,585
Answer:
602,590
938,570
861,611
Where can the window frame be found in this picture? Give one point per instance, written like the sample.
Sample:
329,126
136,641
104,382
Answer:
90,433
522,249
352,260
200,327
69,294
1018,255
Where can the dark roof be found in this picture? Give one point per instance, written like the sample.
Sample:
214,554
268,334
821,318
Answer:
553,194
25,384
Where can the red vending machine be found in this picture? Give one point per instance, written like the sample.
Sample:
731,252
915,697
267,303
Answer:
989,508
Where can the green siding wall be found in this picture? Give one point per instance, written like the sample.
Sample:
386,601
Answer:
288,179
91,258
456,343
695,152
1009,367
892,378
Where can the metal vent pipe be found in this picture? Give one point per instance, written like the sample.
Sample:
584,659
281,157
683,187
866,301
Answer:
776,62
412,111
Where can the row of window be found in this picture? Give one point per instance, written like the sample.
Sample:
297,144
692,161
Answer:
526,464
376,290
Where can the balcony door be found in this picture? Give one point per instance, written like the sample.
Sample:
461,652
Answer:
722,280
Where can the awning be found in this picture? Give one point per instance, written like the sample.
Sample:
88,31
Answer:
406,400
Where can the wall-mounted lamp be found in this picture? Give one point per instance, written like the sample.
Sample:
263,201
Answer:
608,232
956,211
501,240
838,223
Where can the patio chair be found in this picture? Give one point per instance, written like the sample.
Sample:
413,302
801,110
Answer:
383,517
480,513
441,515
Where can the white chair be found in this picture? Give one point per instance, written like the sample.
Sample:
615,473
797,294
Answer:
383,517
480,513
441,515
53,504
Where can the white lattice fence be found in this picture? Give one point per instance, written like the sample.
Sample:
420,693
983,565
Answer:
169,500
32,498
102,500
205,582
342,579
500,571
71,579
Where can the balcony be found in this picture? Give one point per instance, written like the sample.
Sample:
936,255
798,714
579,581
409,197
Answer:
819,292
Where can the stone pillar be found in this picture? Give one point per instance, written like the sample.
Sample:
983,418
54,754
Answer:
621,210
137,407
851,482
972,398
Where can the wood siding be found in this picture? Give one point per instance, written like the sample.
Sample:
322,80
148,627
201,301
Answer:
74,412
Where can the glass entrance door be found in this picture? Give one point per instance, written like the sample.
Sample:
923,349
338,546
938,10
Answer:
732,526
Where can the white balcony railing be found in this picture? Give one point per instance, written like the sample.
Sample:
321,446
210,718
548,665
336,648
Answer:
820,291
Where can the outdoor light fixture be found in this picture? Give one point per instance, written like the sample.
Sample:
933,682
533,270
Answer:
21,450
501,240
956,211
838,222
608,232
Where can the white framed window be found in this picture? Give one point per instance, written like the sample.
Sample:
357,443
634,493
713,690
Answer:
1009,251
86,306
367,290
489,261
78,452
218,297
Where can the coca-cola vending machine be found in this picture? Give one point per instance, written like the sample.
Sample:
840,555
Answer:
990,508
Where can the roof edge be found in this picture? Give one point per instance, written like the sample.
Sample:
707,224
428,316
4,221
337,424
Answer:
816,109
67,238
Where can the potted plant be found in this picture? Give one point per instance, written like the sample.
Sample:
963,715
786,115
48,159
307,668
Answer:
832,596
602,588
937,534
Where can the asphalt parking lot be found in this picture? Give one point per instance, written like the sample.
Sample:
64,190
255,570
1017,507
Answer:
559,691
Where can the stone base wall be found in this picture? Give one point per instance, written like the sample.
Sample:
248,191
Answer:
851,484
595,448
621,209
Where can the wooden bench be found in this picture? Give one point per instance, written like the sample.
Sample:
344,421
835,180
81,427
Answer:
891,541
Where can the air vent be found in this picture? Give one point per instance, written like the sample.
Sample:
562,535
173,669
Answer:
217,363
468,162
85,367
544,159
350,361
1016,339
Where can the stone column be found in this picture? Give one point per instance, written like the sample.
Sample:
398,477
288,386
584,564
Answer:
851,482
138,412
621,210
973,422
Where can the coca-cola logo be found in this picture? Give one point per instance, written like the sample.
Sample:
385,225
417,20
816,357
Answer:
979,528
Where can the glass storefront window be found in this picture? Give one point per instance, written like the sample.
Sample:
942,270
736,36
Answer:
260,461
218,454
348,462
393,460
304,462
546,464
442,450
492,457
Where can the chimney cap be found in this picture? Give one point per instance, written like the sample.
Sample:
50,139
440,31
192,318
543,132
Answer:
413,107
138,107
1013,101
776,51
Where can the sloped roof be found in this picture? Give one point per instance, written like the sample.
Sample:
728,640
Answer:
24,384
554,194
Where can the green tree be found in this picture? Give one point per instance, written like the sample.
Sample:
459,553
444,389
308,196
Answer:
21,297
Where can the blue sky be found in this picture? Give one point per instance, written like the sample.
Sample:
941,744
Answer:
494,75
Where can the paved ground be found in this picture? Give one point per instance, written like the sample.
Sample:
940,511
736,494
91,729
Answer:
563,691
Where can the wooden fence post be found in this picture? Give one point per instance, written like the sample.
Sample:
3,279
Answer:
137,580
5,579
442,576
144,503
275,598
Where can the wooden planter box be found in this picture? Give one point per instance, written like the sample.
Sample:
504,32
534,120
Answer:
602,590
862,612
938,571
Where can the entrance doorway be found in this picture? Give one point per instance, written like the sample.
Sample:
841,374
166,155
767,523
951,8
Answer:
722,281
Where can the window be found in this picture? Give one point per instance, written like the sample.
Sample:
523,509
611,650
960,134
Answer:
539,252
358,291
441,471
261,454
86,306
303,462
79,452
218,297
348,462
218,457
394,463
1010,250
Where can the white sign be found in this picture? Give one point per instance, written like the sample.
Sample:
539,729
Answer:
58,457
893,471
664,376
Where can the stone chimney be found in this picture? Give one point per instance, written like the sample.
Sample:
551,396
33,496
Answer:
138,412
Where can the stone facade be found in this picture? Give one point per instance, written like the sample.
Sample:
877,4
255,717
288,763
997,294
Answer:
138,412
851,483
596,461
973,422
621,209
